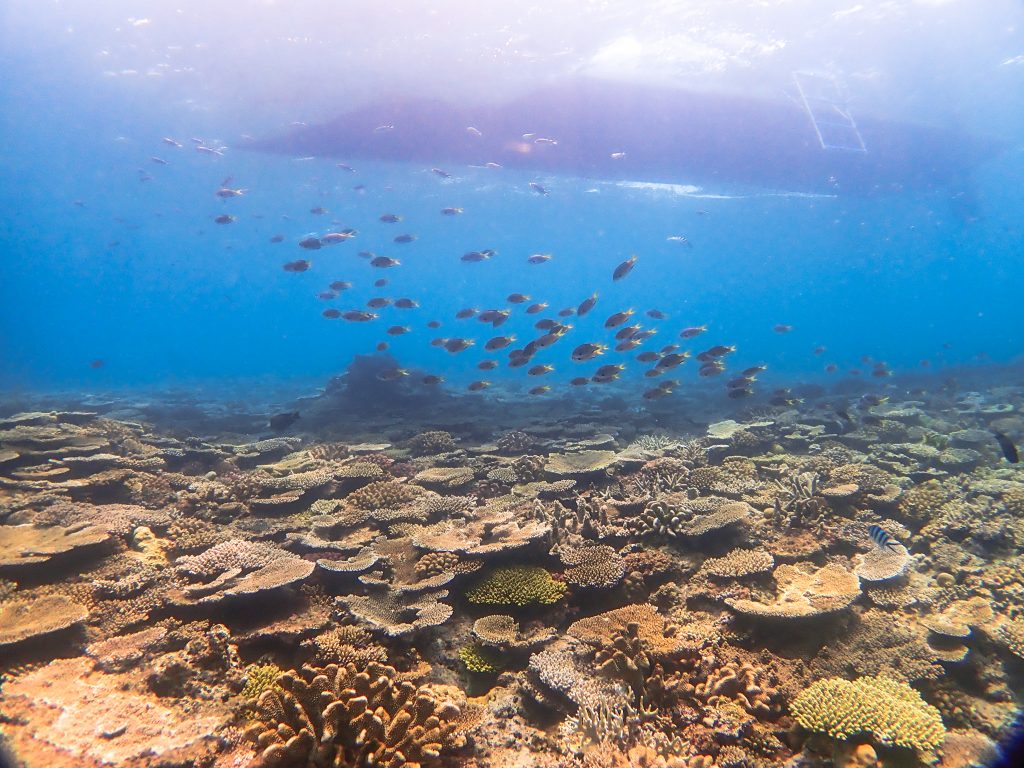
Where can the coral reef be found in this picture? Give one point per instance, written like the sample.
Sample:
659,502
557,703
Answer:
609,587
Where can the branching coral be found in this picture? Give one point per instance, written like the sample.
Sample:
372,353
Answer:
481,659
517,585
431,443
889,711
515,442
335,716
383,495
259,678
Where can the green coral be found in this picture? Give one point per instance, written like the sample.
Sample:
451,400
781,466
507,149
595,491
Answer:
519,585
480,659
259,678
890,711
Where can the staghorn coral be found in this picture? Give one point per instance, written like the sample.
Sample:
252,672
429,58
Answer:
431,443
798,497
335,716
891,712
516,585
664,475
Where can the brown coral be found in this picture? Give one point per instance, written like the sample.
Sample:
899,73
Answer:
594,565
350,716
804,591
739,563
399,614
431,443
383,495
22,620
33,544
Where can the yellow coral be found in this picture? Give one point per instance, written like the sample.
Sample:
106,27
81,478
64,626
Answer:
480,659
892,712
259,678
519,585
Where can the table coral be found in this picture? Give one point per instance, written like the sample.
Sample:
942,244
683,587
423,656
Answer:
738,564
396,614
28,544
22,620
594,565
804,591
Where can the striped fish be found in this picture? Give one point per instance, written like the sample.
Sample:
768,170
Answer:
882,539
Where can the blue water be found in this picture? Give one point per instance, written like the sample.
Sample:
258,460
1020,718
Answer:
137,274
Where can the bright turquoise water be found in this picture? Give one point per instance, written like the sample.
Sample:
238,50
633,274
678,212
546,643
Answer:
140,277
